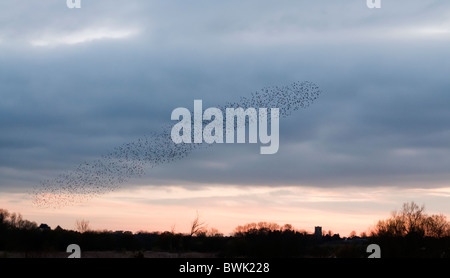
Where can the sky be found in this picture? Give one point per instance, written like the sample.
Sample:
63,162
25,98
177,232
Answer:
76,83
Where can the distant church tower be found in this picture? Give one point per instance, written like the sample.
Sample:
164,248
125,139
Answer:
318,231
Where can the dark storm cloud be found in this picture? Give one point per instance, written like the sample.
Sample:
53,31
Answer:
381,119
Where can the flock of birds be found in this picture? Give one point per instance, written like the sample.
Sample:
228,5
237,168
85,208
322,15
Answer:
130,160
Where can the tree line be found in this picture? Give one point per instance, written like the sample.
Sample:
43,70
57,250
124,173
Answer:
409,232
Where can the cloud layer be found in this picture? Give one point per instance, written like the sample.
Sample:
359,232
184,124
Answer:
76,83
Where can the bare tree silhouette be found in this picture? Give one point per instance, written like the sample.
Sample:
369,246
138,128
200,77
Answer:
213,232
438,226
82,226
197,226
412,220
4,214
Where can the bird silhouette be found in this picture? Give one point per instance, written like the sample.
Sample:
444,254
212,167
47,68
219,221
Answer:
94,178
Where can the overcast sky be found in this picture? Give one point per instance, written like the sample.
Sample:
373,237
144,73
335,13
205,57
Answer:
75,83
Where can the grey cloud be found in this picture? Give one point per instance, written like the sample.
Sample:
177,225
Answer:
382,117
